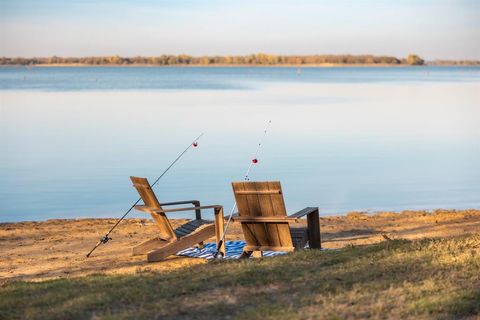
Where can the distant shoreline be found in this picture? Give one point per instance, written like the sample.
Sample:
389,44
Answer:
252,60
259,59
325,65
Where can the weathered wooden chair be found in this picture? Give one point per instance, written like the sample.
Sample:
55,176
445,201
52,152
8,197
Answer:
264,220
170,241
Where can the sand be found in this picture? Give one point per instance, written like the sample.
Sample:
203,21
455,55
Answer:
37,251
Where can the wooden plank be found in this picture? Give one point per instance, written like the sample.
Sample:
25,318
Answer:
313,225
264,202
278,205
266,207
181,232
278,202
163,224
146,192
241,200
257,254
244,211
199,222
303,212
219,227
284,234
163,204
255,210
186,209
150,200
181,244
198,211
188,227
248,234
257,233
280,228
252,200
148,245
182,229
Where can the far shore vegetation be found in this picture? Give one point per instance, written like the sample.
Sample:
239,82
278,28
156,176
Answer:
245,60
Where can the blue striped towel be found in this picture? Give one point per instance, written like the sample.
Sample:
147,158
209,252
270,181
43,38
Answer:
234,250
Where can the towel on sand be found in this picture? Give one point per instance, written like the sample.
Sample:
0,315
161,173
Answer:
233,251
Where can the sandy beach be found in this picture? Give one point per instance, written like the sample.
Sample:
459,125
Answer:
37,251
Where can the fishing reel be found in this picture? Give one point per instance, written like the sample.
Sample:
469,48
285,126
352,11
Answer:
105,239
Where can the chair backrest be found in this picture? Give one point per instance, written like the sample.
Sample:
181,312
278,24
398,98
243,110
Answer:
263,199
151,202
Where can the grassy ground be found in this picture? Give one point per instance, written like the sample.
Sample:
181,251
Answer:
395,279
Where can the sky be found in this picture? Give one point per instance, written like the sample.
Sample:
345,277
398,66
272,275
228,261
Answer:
433,29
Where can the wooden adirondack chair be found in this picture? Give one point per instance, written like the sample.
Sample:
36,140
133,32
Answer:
170,241
264,220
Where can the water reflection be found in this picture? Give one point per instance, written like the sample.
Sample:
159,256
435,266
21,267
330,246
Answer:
348,146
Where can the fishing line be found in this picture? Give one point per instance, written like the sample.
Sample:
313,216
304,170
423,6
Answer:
106,237
246,178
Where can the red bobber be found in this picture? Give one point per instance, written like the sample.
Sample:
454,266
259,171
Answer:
255,160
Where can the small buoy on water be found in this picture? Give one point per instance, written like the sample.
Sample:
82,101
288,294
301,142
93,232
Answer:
255,160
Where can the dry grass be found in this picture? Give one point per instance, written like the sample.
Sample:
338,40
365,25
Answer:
425,279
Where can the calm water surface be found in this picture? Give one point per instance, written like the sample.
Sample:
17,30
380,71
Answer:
341,138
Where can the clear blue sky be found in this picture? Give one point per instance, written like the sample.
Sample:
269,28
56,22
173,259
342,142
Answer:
448,29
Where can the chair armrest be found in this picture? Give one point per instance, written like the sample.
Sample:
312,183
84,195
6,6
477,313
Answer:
186,209
194,202
313,226
303,212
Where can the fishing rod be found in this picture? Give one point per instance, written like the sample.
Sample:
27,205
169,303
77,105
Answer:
106,237
246,178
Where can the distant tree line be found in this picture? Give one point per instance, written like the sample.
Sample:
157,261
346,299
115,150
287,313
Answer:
260,59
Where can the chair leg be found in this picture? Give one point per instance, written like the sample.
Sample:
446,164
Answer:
148,246
219,220
246,254
257,254
313,226
181,244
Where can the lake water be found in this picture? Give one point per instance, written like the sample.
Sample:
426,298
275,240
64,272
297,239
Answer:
342,139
